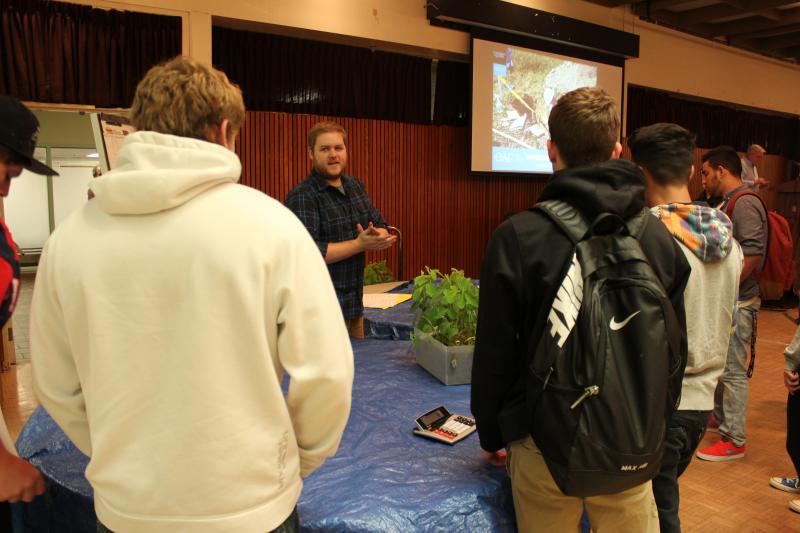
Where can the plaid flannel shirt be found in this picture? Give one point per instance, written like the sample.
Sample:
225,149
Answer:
331,216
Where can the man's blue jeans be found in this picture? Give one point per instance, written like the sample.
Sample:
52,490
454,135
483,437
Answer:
730,405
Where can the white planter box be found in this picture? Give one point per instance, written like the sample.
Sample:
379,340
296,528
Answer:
452,365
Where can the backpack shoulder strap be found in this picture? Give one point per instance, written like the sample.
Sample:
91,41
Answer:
735,197
637,223
732,203
565,217
572,222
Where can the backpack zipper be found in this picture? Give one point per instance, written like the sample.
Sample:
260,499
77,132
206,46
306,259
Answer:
591,390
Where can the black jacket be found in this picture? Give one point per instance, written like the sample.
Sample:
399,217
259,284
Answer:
523,266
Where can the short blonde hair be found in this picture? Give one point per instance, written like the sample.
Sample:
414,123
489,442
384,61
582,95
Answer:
186,98
756,149
325,127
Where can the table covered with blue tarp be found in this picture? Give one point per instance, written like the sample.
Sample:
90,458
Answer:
395,323
384,478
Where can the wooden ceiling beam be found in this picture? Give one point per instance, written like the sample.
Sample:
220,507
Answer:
672,19
763,8
772,32
657,5
613,3
730,29
792,53
778,43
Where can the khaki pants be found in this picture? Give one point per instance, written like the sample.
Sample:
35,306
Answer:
542,507
355,327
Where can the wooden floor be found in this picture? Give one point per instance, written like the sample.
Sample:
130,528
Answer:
735,495
716,497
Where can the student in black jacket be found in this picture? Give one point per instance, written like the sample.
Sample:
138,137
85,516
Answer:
522,270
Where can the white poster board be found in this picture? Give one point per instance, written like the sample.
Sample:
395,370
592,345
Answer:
109,133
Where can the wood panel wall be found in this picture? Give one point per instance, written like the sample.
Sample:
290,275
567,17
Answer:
416,175
418,178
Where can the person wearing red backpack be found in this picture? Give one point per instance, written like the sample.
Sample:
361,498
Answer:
721,172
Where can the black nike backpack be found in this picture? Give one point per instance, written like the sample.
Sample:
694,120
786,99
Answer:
598,395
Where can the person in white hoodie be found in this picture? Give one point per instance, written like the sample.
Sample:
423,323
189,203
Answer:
165,314
664,153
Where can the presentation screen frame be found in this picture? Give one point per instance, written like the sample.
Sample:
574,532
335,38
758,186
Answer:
536,45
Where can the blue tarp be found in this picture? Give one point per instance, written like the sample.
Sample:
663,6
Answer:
383,479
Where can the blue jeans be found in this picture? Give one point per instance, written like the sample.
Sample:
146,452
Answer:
730,405
290,525
685,431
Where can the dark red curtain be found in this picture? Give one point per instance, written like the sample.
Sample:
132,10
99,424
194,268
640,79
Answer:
714,124
452,103
65,53
293,75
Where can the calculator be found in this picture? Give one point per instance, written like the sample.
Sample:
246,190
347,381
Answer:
440,424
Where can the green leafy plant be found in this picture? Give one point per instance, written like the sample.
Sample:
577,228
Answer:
446,306
377,272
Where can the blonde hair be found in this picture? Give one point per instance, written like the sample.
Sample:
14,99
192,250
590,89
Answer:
324,127
756,149
186,98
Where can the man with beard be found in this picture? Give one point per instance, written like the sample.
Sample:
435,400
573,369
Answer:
721,171
340,217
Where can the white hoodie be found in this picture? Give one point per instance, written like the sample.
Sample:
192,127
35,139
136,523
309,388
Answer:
706,237
164,314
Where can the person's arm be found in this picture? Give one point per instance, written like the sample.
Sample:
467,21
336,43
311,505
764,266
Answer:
19,480
750,230
55,376
675,292
791,355
375,237
371,238
305,209
750,264
313,348
673,270
495,365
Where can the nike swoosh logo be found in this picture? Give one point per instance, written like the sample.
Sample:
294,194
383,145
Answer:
615,326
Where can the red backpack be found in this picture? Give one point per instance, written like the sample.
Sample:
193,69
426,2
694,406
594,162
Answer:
778,273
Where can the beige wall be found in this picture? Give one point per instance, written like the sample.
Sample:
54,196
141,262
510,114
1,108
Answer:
668,60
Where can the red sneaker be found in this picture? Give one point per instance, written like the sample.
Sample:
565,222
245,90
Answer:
722,450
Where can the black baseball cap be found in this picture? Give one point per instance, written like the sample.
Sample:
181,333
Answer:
19,129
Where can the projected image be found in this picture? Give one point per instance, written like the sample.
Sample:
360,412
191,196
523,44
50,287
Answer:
525,87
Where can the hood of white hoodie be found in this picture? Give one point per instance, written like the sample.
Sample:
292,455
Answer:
706,231
156,172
